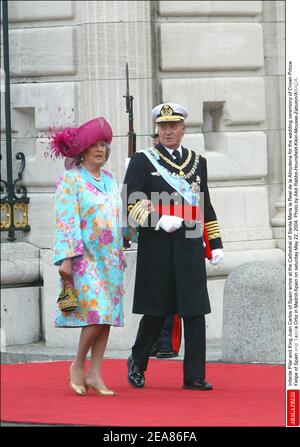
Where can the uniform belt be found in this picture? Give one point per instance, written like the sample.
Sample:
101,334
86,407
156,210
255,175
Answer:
187,212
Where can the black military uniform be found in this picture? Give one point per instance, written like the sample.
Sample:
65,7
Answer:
170,271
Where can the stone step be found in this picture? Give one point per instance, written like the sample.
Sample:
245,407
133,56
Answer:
40,352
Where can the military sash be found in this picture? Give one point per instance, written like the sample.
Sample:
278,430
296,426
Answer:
184,189
179,184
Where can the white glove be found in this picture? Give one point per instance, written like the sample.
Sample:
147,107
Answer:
169,223
217,256
127,160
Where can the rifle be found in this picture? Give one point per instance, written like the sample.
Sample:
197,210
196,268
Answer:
129,110
131,133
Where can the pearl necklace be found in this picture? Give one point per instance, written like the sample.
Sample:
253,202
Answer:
96,178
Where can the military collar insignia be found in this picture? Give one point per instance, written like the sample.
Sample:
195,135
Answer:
184,175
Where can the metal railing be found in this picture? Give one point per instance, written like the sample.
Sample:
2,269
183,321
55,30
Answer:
14,200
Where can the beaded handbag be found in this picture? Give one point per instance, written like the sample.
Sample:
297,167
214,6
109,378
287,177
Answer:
67,300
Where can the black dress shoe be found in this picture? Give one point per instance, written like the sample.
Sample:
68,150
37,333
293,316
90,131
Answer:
135,374
166,354
197,384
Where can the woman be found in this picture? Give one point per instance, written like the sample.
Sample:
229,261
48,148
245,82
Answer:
88,245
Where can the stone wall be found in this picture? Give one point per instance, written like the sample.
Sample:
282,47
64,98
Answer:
221,60
274,47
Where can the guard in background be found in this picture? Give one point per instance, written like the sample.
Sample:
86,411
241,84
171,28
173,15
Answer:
168,343
171,273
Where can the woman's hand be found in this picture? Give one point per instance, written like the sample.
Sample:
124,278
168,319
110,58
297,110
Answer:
65,269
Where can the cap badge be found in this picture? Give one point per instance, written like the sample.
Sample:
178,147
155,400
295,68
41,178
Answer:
166,110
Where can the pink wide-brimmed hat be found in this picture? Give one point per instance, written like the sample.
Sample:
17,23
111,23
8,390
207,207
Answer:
72,141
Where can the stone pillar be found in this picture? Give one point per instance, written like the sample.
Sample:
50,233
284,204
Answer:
111,34
274,43
254,314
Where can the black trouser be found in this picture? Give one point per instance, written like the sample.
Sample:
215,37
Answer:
169,338
194,344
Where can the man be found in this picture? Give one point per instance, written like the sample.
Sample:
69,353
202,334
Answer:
170,273
168,342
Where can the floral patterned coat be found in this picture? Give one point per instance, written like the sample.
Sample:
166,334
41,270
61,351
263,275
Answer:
88,230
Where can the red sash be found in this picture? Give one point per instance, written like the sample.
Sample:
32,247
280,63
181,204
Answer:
187,212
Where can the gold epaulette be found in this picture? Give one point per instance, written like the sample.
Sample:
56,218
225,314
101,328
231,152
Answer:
137,213
213,230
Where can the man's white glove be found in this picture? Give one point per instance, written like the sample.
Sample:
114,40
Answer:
169,223
217,256
127,160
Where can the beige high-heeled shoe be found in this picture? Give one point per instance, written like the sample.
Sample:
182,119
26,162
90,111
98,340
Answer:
78,389
100,391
